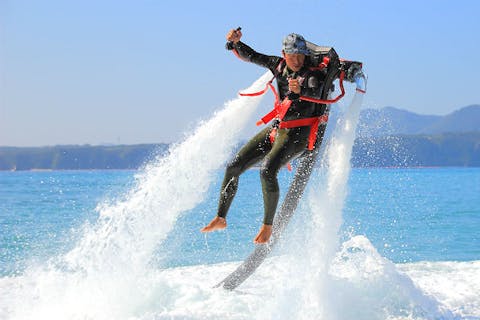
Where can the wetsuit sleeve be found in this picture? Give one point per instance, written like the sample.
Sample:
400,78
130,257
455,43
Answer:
250,55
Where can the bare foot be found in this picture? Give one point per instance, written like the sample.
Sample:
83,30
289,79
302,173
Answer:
217,223
264,234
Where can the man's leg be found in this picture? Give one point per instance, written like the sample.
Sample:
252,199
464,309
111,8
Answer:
249,155
288,144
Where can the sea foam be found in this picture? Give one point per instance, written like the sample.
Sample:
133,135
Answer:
313,276
108,275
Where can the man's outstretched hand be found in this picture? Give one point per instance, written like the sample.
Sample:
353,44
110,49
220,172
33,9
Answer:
234,35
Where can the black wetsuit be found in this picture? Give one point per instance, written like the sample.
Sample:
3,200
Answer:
288,143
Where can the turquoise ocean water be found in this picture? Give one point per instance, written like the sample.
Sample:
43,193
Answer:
424,220
410,215
363,243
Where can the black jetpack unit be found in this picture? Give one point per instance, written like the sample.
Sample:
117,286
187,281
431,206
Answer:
326,58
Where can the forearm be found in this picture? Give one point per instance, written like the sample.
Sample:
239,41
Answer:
250,55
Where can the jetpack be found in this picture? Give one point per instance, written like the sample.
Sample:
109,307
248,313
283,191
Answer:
327,60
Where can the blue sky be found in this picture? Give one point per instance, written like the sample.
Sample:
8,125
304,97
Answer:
113,71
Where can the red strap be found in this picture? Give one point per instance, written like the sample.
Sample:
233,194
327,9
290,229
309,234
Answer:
361,91
280,109
272,135
267,118
312,137
259,93
301,122
283,108
312,122
322,65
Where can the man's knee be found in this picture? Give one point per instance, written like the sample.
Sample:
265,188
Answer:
234,168
268,176
266,173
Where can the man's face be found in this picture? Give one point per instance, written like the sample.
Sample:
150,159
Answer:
294,60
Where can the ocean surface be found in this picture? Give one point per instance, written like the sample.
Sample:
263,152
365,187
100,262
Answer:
377,243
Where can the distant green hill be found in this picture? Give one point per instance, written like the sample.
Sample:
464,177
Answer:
388,137
466,119
84,157
391,121
446,149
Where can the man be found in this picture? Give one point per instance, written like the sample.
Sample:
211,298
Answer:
278,143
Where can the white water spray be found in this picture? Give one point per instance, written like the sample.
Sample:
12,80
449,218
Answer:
326,198
107,275
104,276
129,231
302,287
330,281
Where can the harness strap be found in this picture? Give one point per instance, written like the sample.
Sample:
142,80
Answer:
313,123
259,93
304,98
279,110
322,65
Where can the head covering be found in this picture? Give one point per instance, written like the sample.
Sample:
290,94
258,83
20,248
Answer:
295,43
